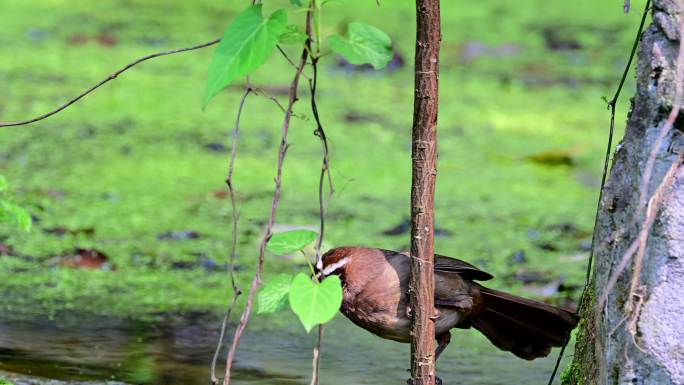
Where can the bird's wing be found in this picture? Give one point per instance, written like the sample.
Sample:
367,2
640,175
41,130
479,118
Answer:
452,265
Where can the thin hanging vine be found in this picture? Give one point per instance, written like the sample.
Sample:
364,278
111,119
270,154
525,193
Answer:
247,43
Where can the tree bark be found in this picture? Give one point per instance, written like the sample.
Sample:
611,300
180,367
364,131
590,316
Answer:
424,165
632,329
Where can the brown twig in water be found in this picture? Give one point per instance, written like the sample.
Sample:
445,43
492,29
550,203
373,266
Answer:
233,245
107,80
256,282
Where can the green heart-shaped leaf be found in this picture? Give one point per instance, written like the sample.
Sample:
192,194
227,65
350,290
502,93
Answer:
273,295
365,44
315,303
290,241
246,44
292,35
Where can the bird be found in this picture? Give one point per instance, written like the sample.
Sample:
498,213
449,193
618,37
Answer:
375,284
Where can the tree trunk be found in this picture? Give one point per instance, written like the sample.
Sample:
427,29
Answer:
632,329
424,155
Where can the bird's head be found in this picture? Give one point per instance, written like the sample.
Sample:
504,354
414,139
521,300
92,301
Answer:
334,262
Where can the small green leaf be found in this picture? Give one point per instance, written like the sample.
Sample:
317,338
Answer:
290,241
246,44
292,35
315,303
3,184
298,3
365,44
273,296
5,382
9,212
23,219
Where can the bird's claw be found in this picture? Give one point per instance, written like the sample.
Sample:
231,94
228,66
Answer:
435,314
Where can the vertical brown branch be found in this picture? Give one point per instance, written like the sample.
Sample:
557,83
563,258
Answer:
282,151
424,167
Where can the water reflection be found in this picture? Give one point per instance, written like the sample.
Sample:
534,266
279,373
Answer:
273,351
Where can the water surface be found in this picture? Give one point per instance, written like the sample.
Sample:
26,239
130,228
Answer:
273,351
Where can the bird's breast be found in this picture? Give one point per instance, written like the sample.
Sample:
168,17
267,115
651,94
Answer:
376,295
376,300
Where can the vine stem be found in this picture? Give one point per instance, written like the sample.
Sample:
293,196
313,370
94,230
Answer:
325,170
233,245
106,80
594,246
118,72
282,151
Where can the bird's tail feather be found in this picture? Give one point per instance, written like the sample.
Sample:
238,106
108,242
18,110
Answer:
525,327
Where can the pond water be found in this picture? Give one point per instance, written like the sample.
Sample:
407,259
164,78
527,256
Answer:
273,351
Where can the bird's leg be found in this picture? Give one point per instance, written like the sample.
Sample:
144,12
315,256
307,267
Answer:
442,340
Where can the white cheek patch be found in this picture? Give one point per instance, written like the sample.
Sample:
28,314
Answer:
335,266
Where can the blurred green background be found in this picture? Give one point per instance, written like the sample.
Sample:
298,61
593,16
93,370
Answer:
132,177
135,171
